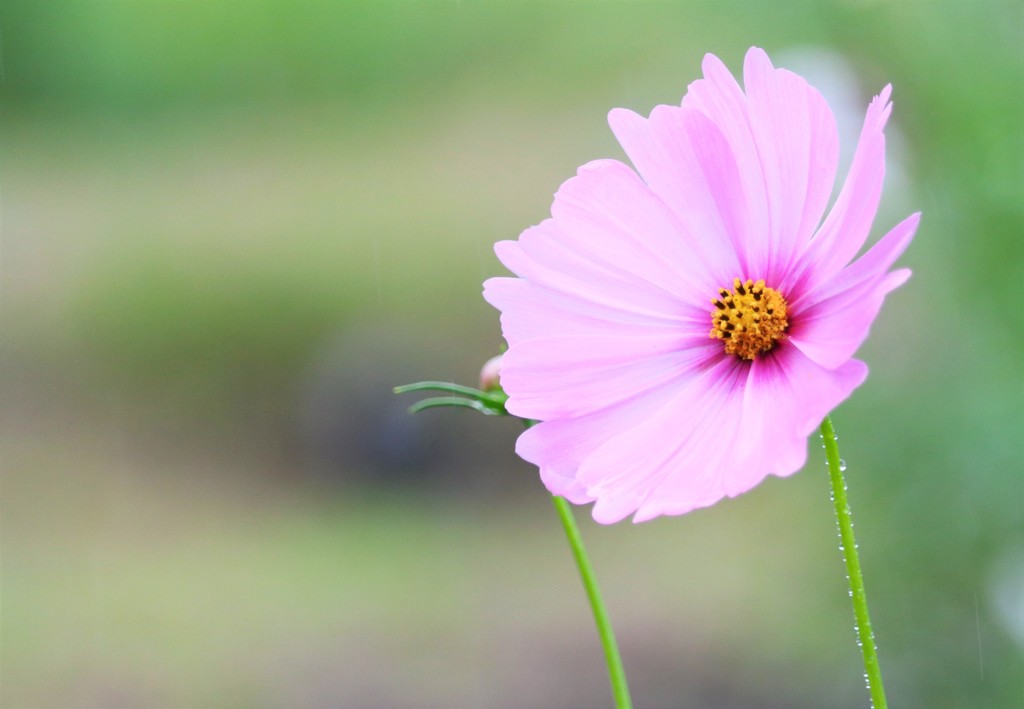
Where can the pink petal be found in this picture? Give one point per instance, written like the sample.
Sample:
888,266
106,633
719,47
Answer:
705,195
846,228
869,266
558,447
541,256
573,375
719,98
529,310
792,394
680,442
719,435
608,212
830,322
748,172
760,430
796,139
612,241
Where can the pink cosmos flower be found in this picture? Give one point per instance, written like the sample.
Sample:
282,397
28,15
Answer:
680,331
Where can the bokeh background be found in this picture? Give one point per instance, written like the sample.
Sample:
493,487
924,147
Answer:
230,227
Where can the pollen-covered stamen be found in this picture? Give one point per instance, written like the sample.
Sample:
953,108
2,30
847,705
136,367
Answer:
749,319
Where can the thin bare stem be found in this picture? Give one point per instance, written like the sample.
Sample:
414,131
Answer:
865,636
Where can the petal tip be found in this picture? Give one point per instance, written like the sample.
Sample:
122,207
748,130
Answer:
606,516
757,56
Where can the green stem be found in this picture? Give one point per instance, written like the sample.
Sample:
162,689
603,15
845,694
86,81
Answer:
865,637
616,673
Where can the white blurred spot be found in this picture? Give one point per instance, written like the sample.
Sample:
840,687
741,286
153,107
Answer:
1006,593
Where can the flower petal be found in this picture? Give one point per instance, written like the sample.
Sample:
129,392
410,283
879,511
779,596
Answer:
711,439
541,256
755,174
846,227
685,160
572,375
612,241
609,213
830,322
786,397
760,430
719,98
558,447
681,442
529,310
796,139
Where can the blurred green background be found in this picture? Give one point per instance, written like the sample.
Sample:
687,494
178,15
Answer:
230,227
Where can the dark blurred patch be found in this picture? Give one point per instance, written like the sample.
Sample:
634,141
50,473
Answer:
349,422
351,427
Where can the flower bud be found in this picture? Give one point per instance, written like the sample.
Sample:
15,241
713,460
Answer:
490,374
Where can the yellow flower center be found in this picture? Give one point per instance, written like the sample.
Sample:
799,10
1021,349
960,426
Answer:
749,319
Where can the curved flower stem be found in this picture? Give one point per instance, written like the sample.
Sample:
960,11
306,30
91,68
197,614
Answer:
865,637
616,672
